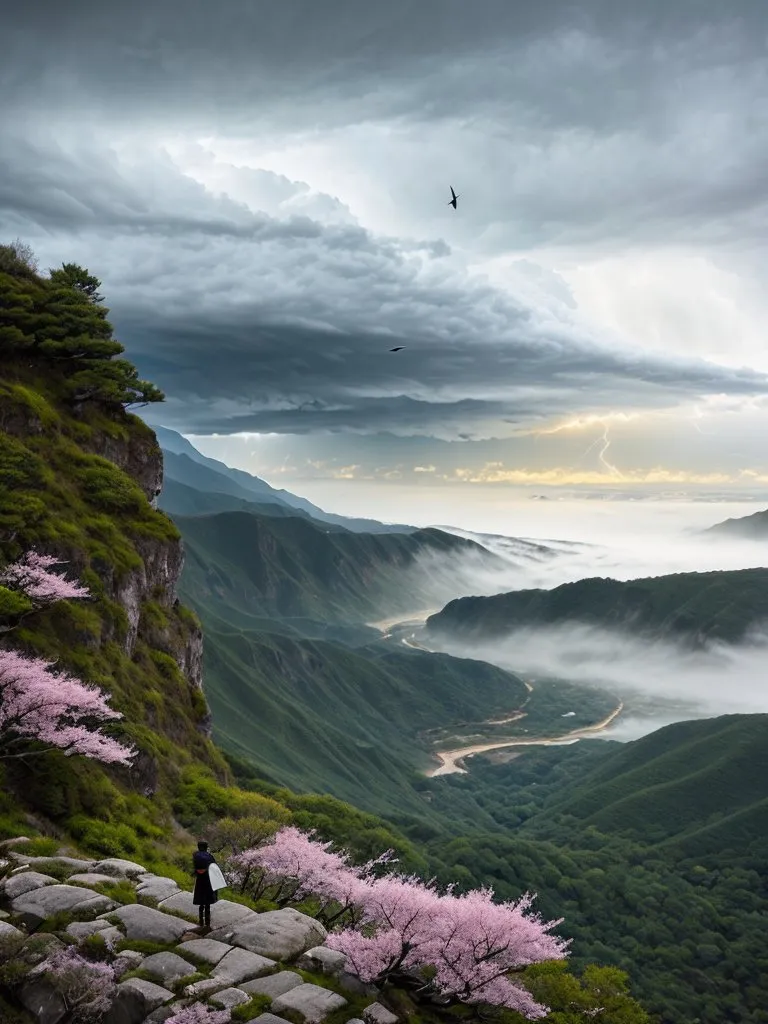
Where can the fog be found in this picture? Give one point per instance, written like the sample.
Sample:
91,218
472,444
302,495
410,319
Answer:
660,682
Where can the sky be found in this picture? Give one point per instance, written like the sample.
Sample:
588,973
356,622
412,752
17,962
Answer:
262,188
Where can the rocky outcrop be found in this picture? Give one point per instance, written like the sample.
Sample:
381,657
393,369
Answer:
139,455
226,973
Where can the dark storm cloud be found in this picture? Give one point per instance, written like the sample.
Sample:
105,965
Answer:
570,123
254,322
587,122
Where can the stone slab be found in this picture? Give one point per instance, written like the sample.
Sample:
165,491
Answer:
311,1001
167,967
229,997
277,934
119,868
147,924
25,881
242,965
273,985
206,949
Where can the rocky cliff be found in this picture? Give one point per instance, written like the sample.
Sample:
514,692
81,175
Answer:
78,480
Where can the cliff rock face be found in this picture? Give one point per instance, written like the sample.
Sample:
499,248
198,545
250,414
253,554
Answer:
139,455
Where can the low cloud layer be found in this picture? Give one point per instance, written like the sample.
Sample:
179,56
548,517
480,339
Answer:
658,682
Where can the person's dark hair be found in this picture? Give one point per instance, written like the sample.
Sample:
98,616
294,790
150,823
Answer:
202,845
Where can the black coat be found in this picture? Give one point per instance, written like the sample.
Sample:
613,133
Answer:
204,893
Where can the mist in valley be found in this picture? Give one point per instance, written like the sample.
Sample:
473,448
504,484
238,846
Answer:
659,682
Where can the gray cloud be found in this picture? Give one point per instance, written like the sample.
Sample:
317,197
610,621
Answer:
260,303
258,321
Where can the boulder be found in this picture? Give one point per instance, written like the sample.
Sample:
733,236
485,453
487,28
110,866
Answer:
228,998
278,934
205,949
128,960
72,863
167,967
273,985
270,1018
223,914
25,881
156,887
118,868
321,959
35,906
241,965
42,1001
136,999
7,931
92,878
311,1001
378,1014
204,989
149,925
82,929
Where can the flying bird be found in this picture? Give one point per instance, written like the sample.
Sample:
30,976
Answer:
397,348
454,197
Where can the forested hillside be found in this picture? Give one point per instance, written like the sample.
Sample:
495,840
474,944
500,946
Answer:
690,607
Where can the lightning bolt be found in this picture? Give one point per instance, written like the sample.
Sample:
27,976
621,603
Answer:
601,454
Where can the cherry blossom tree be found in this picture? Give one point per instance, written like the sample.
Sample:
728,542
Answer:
399,928
199,1013
295,866
87,988
29,584
37,702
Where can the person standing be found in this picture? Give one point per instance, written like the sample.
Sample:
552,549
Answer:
204,894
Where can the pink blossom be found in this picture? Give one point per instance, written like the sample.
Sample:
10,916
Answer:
54,708
198,1013
299,866
404,926
32,576
87,987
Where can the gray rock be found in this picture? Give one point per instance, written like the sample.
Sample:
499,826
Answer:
150,925
39,904
40,998
311,1001
322,959
223,914
128,960
136,999
351,983
91,878
73,863
378,1014
6,844
167,967
273,985
206,949
162,1013
25,881
270,1018
7,931
156,886
82,929
4,915
278,934
111,936
200,989
228,998
355,1020
241,965
118,868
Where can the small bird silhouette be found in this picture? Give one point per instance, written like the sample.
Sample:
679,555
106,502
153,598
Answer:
397,348
454,197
